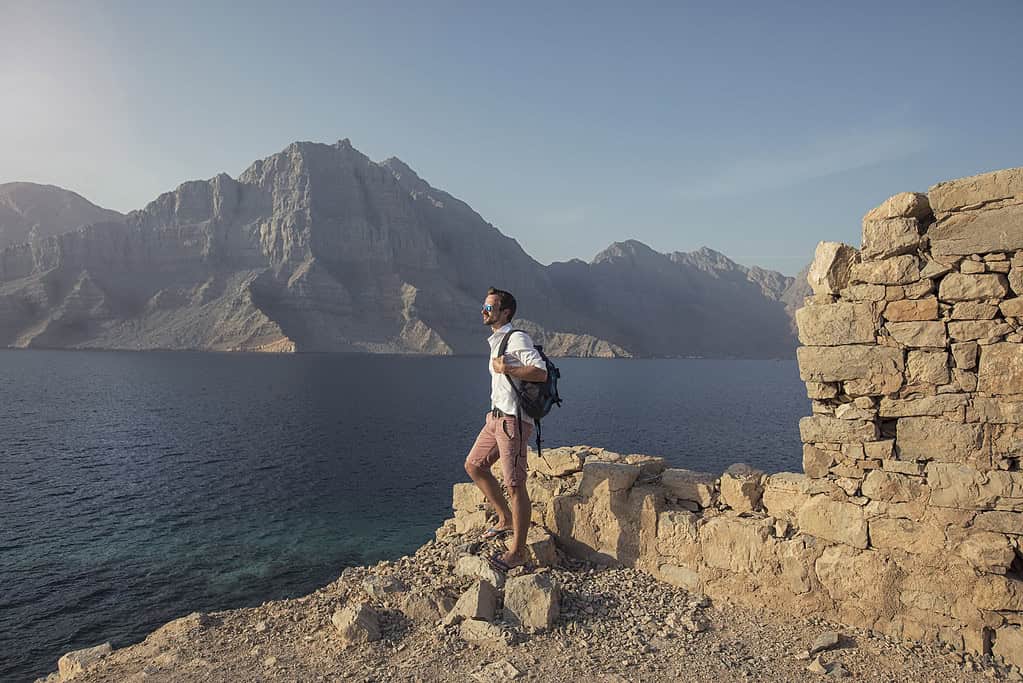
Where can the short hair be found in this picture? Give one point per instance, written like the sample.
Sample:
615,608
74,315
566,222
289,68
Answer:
507,301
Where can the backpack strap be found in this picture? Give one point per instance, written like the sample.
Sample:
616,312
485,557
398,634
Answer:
518,394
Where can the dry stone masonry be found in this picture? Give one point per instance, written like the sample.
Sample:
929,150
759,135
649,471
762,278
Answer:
908,517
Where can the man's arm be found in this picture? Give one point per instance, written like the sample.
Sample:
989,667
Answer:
527,373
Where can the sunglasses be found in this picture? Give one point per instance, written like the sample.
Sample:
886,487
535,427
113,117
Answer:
489,308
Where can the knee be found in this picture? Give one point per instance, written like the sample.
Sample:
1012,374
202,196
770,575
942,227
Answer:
473,470
518,492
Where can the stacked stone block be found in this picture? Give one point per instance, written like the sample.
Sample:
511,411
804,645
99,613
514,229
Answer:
913,359
908,517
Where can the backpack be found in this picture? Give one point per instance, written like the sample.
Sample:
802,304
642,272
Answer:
535,398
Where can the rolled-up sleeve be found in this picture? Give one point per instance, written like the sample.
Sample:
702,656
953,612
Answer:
521,346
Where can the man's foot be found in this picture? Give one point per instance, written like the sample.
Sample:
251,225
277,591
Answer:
496,532
507,561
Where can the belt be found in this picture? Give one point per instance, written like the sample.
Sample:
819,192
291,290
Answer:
496,412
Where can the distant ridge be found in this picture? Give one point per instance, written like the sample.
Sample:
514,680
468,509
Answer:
319,248
29,211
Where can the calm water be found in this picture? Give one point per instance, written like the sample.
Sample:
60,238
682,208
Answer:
138,487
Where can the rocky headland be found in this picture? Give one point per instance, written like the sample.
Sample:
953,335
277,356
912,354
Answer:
319,248
896,555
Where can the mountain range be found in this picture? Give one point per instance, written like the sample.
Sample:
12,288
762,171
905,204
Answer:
319,248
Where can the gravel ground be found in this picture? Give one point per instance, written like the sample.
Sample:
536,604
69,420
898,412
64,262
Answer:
615,625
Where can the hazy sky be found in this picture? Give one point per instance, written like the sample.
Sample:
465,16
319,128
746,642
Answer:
755,128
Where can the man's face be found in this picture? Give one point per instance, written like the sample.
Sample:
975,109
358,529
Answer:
492,316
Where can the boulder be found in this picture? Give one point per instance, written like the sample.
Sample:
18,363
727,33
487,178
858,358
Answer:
883,238
421,608
1001,369
556,462
615,476
867,370
833,520
532,601
383,588
79,661
830,270
357,623
541,547
742,488
919,334
977,190
897,270
697,487
837,324
479,601
902,205
474,566
962,287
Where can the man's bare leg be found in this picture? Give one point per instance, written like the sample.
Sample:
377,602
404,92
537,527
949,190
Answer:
522,510
486,483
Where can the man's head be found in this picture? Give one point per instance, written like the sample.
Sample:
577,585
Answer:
498,307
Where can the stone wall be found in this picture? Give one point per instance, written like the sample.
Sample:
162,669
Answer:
908,518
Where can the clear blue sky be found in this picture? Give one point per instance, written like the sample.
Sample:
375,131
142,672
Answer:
755,128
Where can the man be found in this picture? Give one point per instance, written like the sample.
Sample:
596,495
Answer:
500,437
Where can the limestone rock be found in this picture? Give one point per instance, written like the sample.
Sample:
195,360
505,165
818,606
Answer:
901,205
987,552
357,623
79,661
383,588
543,551
816,461
614,476
482,633
934,438
974,310
697,487
556,462
934,406
883,238
919,334
872,370
825,641
912,309
964,193
835,521
891,487
476,566
1001,369
479,601
831,267
532,601
467,497
785,494
962,287
897,270
929,367
820,428
742,488
1009,645
1012,308
836,324
420,607
978,232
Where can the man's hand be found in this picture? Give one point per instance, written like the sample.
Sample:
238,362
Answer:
499,365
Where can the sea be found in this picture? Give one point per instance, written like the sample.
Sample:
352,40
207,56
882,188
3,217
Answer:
136,488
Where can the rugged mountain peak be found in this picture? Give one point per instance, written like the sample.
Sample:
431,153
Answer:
408,178
30,211
707,259
630,251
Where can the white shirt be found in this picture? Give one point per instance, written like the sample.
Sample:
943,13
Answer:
520,347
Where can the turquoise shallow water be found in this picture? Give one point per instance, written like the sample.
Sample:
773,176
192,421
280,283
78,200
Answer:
138,487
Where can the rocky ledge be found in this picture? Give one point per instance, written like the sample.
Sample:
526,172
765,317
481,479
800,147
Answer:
443,614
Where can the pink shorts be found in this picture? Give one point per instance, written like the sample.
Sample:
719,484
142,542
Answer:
499,439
